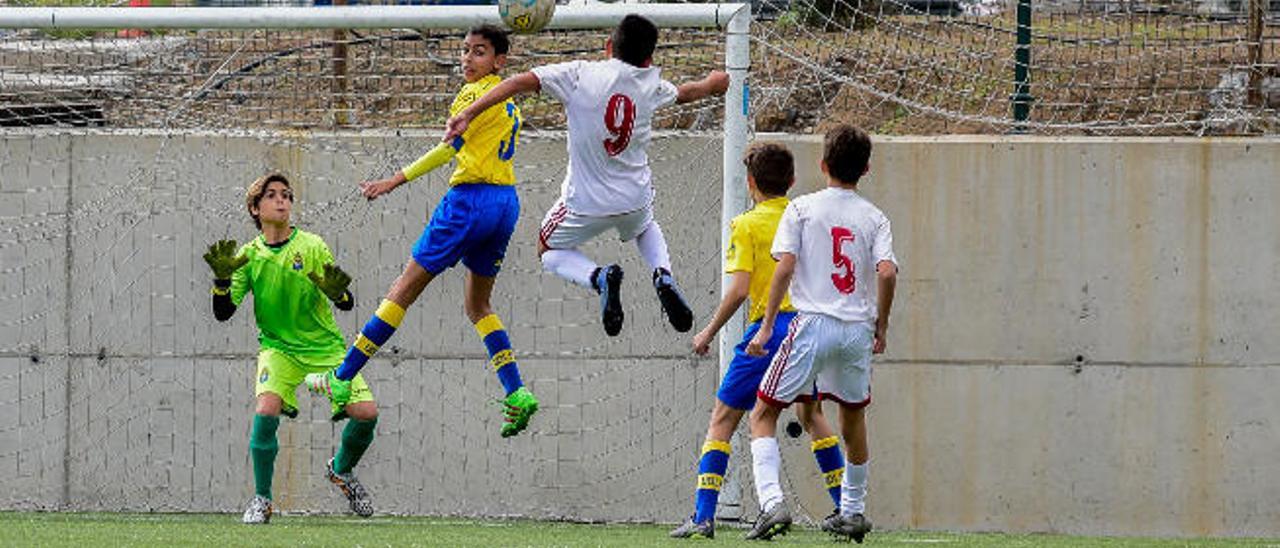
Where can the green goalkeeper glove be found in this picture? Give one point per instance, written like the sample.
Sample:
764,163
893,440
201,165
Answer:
223,260
333,283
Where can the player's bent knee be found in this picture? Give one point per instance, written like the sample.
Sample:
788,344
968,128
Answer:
476,310
724,420
765,410
808,414
363,411
268,404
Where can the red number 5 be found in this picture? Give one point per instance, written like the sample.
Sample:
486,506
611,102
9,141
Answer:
844,282
619,118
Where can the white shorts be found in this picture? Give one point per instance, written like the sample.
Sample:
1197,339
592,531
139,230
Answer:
564,229
820,350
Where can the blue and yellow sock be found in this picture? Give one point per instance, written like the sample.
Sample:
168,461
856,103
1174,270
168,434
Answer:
501,357
831,462
711,469
375,334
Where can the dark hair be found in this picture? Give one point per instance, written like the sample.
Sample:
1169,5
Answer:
253,196
495,35
772,167
634,40
846,150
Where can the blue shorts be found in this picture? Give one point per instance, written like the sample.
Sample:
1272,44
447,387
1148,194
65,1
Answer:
738,388
473,223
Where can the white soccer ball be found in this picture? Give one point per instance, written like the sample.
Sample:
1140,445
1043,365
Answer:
526,16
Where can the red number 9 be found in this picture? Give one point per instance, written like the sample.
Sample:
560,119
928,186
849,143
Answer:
619,118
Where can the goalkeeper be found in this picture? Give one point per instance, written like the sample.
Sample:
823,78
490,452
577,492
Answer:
292,277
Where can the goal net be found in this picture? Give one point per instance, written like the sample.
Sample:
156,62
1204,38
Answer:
127,153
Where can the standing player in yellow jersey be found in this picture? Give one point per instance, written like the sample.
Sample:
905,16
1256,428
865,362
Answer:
473,223
770,173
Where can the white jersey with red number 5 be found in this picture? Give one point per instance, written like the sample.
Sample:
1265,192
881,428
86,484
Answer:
609,105
838,238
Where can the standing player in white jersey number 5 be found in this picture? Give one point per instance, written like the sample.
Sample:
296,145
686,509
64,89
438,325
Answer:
829,242
610,106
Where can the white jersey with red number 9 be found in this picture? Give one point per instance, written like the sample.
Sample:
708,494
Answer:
609,105
838,238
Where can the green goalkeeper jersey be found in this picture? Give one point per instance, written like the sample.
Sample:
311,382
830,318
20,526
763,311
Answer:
293,316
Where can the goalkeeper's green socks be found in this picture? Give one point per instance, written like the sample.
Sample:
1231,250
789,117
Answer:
356,437
263,447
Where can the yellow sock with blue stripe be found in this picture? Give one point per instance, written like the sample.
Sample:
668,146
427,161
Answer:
375,334
501,357
711,469
831,462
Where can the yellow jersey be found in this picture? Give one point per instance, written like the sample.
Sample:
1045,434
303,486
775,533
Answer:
749,245
485,151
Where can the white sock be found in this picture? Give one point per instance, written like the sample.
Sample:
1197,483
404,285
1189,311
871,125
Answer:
571,265
766,459
653,247
853,490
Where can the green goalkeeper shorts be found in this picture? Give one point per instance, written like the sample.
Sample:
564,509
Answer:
280,374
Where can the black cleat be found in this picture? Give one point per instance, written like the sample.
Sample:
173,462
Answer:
608,281
673,303
854,527
777,521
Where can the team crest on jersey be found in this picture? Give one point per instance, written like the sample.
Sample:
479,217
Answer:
297,261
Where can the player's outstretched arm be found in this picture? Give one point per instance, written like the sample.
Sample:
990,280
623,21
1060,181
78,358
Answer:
434,158
333,283
222,259
887,281
521,83
734,296
778,287
716,83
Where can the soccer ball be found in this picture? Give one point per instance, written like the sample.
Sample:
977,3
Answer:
526,16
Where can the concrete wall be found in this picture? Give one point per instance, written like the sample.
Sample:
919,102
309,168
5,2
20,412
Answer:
1080,342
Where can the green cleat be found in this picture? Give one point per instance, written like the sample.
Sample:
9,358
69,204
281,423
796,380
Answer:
337,390
519,406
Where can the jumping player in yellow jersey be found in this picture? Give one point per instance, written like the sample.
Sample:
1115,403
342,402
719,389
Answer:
473,223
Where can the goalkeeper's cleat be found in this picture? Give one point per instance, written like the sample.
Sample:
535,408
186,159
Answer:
337,390
351,488
673,303
608,282
693,529
259,510
776,521
518,407
853,527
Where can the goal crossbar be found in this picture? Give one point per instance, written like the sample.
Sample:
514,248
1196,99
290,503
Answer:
364,17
